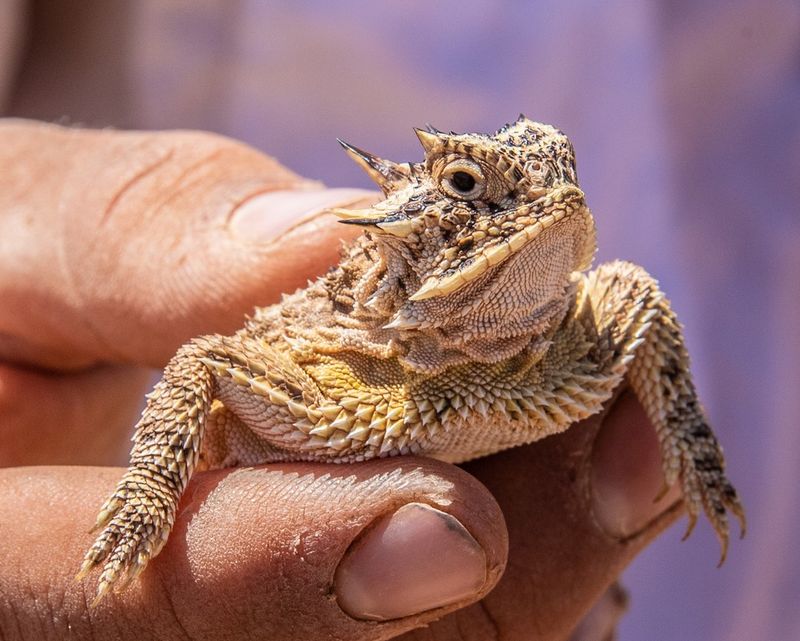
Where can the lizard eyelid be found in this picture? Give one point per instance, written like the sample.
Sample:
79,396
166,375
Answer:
463,179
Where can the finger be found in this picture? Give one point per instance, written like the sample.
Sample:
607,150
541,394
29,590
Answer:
579,507
122,245
282,552
75,418
600,623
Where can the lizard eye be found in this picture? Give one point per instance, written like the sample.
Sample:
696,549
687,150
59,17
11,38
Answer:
463,179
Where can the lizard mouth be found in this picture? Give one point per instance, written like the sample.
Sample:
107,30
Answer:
518,229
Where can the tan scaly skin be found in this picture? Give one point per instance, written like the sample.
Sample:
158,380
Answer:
462,322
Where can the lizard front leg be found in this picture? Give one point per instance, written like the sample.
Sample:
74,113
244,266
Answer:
230,442
646,334
188,424
137,518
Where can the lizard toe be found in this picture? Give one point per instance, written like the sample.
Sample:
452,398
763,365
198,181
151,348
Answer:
130,537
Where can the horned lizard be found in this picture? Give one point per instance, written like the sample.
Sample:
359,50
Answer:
462,322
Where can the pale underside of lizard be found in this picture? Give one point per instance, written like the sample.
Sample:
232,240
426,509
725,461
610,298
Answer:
463,322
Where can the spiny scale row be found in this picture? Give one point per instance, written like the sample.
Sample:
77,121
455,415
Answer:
369,422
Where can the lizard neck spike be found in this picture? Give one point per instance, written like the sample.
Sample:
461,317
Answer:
383,173
400,228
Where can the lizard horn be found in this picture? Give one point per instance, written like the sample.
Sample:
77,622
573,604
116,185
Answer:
430,141
348,215
400,228
382,172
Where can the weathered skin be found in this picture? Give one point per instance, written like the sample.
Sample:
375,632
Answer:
461,323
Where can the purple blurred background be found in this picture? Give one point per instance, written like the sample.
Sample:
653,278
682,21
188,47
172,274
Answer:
686,120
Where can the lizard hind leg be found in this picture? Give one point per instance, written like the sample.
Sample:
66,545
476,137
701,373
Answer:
136,519
658,371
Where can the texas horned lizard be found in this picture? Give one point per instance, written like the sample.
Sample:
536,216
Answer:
461,323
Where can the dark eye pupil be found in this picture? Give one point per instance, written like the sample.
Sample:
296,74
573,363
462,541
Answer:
462,181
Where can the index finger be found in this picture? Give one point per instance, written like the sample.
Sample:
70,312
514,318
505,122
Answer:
120,246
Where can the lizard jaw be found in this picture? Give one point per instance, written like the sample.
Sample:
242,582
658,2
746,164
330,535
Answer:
562,204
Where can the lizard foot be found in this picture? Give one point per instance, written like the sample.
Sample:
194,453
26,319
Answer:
135,523
706,487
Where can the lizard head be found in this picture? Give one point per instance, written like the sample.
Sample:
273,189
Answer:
485,222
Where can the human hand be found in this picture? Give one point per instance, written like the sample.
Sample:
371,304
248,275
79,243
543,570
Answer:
117,247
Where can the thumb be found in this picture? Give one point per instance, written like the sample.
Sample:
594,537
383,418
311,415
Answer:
290,551
119,246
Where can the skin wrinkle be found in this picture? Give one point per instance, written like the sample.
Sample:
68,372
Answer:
51,609
39,624
484,608
670,514
13,620
84,595
27,593
460,627
179,185
173,612
178,188
105,344
128,186
187,179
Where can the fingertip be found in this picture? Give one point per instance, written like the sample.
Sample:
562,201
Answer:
627,481
416,559
266,217
422,536
308,245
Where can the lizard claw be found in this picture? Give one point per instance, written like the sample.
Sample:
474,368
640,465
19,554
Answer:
690,526
662,492
706,487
